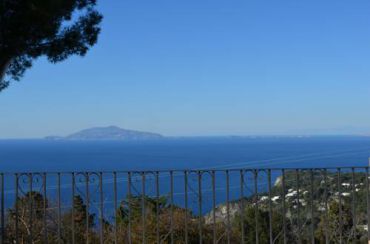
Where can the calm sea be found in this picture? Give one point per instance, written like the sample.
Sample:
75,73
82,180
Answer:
193,153
189,153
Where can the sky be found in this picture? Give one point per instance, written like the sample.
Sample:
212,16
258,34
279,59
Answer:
206,67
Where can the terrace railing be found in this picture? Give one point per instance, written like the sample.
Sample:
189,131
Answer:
306,205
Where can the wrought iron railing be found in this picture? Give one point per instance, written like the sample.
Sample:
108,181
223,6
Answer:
306,205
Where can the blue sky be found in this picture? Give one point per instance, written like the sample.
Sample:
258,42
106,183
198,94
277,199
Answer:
206,67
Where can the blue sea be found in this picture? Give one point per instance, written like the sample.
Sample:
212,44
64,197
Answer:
188,153
169,154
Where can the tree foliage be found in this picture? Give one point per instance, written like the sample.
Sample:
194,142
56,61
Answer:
338,225
29,206
32,28
37,219
253,218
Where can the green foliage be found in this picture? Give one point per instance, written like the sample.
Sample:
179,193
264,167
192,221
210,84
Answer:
160,217
80,214
55,29
134,205
43,220
29,206
349,189
157,215
337,227
262,222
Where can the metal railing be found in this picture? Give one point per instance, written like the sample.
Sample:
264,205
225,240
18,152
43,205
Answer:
306,205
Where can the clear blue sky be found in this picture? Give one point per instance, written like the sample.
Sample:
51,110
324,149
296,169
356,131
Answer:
206,67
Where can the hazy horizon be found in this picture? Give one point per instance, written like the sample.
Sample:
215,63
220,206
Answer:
313,133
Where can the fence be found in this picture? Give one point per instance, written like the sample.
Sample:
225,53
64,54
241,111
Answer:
321,205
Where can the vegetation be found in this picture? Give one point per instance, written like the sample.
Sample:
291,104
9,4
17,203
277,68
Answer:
335,223
32,28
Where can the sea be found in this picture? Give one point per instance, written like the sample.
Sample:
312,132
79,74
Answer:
183,153
176,154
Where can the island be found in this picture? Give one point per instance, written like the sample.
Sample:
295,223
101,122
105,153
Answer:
108,133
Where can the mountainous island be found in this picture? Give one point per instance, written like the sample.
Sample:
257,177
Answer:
108,133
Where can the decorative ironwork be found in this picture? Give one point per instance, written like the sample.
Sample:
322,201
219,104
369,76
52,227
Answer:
286,205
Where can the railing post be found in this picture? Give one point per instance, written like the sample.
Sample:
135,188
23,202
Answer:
30,178
45,210
16,207
171,207
256,210
157,207
298,207
115,207
326,224
186,205
340,205
101,208
59,210
270,206
367,203
242,206
200,224
87,208
143,212
284,210
354,217
73,207
214,207
129,207
228,206
312,226
2,211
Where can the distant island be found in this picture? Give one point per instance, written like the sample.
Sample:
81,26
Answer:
108,133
